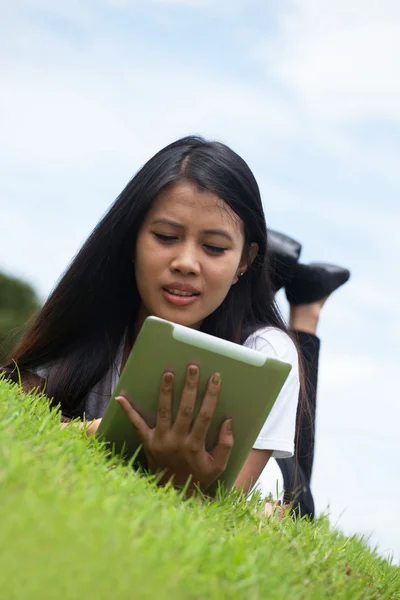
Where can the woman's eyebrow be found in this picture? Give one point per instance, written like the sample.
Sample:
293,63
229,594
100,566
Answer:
218,232
206,231
168,222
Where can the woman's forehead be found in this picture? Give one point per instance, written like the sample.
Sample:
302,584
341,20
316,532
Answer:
186,201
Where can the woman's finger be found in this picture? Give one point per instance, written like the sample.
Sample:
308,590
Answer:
223,449
206,412
164,409
139,424
184,417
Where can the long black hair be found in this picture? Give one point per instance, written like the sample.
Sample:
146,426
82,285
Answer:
81,325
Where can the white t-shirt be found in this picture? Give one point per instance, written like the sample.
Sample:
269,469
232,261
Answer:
279,429
278,432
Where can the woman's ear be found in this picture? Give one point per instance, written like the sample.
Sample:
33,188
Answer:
253,252
246,262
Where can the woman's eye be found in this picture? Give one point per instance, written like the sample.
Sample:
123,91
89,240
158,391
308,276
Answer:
165,238
214,249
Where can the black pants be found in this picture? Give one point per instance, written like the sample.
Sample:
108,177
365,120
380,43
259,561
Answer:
297,470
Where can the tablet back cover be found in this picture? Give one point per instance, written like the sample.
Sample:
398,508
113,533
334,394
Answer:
250,385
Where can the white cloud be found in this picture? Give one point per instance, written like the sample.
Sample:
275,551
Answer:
338,62
357,393
222,7
354,480
340,59
65,107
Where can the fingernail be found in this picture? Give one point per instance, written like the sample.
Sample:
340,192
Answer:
229,426
192,371
167,377
216,378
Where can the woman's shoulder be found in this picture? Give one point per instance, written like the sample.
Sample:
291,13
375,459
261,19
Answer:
274,342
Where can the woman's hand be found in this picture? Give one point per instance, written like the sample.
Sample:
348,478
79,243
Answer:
276,509
178,449
90,427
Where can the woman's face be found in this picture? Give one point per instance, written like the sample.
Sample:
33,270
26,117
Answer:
188,255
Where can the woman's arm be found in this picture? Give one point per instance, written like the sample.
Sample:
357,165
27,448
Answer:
90,427
248,476
252,469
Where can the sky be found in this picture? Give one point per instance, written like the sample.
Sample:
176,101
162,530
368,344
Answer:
308,93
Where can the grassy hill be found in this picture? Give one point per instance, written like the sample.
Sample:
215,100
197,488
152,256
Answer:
75,524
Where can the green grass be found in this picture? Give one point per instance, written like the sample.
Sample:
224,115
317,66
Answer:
76,524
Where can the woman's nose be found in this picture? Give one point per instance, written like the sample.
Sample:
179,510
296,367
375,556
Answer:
186,260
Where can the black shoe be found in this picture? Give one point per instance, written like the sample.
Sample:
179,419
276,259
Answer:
283,254
313,282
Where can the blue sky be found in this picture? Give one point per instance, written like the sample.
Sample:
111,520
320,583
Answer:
308,93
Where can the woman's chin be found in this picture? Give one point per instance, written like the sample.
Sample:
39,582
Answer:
180,318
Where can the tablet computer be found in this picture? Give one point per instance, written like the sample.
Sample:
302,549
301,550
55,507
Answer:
251,383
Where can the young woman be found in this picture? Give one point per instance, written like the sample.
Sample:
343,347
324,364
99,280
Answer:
185,241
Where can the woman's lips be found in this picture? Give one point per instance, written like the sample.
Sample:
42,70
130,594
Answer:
179,300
